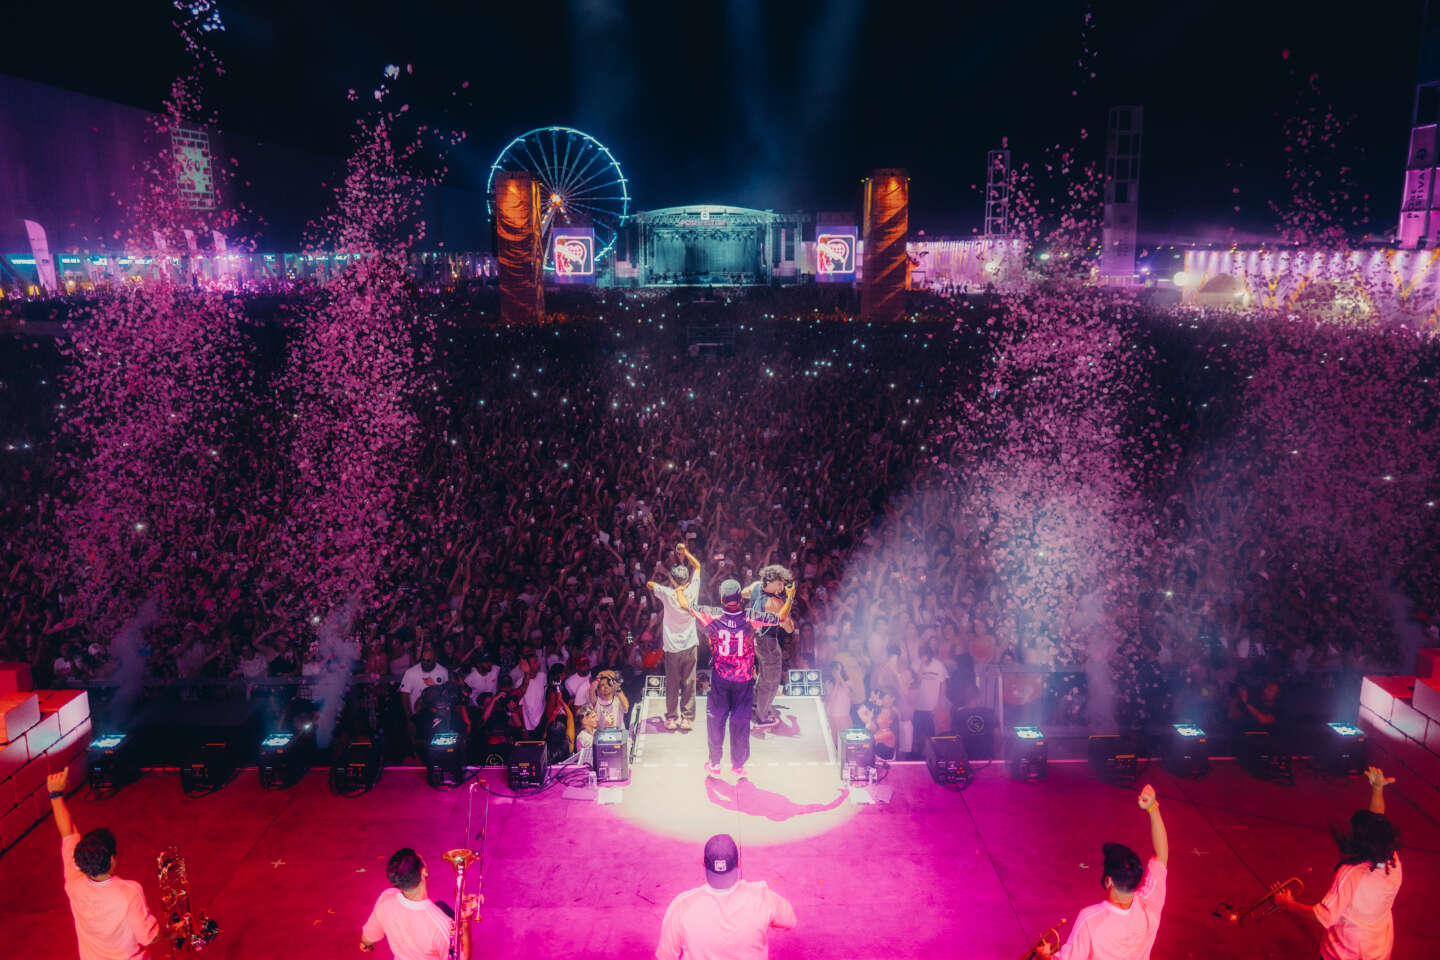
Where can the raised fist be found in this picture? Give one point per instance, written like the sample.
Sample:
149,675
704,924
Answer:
57,782
1147,798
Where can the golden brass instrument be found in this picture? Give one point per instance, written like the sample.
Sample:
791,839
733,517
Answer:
1050,940
1261,908
461,859
185,930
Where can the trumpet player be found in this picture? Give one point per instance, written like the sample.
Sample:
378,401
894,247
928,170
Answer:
112,921
417,927
1356,911
1124,924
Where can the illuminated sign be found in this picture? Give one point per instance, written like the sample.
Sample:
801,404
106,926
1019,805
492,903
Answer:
574,252
835,255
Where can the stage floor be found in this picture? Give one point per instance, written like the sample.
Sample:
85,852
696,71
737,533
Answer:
930,873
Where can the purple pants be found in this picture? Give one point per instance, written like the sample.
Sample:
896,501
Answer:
733,700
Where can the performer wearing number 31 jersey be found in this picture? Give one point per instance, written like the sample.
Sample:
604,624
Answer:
732,694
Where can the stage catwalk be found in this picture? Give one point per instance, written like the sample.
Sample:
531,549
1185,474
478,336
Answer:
931,873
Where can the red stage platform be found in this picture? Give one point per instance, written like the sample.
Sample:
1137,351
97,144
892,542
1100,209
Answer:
931,873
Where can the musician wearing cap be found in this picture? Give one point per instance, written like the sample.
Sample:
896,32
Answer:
1124,924
725,918
679,640
1356,911
417,927
732,693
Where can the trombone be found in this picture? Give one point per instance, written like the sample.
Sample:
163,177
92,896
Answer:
462,858
1261,908
1049,941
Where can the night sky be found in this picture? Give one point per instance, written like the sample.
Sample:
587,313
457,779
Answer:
786,105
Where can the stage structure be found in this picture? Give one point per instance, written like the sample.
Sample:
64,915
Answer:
1390,286
886,220
997,194
516,202
709,245
1420,205
581,185
1122,195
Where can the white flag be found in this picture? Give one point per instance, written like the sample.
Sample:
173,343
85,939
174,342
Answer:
40,247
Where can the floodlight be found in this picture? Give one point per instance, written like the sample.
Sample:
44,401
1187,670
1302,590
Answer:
1340,749
445,759
1026,753
111,762
281,761
1186,750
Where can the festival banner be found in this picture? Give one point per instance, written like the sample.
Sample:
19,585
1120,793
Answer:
574,252
835,254
44,263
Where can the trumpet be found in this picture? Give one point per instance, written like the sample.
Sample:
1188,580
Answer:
1261,908
1049,941
186,931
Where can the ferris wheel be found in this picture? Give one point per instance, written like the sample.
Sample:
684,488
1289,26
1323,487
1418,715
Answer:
581,183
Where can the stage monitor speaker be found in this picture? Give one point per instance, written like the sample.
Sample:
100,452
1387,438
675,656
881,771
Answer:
945,758
612,756
976,726
655,686
528,762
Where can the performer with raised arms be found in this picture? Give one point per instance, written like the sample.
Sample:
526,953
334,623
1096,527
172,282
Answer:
732,693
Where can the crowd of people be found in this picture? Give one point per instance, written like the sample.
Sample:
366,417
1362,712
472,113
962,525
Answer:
560,467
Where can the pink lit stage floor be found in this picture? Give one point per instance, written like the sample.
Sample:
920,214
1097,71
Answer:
931,873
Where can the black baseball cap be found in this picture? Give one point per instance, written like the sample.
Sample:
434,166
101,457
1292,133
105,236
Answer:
722,861
730,592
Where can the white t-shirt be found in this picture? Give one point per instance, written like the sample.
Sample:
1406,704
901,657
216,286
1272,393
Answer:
532,703
416,929
677,628
480,683
1356,912
578,686
932,677
1105,931
732,924
415,680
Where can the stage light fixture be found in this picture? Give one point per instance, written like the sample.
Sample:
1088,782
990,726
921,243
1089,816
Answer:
445,759
356,766
1026,753
208,766
111,762
281,760
804,683
1114,758
655,686
1341,749
1186,750
612,756
857,756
